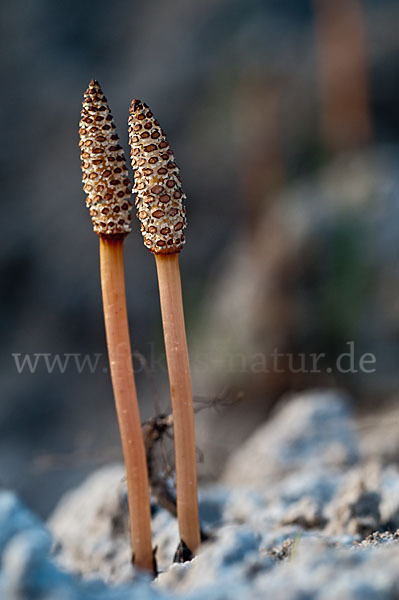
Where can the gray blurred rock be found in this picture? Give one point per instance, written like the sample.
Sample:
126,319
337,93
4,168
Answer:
310,432
291,520
289,523
225,557
319,571
389,506
378,432
16,518
356,507
29,571
305,513
91,526
312,568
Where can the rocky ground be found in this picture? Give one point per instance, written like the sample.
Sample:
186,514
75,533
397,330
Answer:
303,510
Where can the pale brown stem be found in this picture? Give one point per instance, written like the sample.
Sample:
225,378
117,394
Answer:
123,383
343,77
182,399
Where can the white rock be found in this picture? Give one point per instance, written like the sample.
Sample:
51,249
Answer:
310,431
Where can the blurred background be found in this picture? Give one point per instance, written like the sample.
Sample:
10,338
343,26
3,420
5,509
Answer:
283,116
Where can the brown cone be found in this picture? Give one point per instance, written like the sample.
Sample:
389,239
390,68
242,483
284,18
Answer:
159,199
105,177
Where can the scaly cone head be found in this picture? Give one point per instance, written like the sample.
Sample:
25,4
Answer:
159,199
105,177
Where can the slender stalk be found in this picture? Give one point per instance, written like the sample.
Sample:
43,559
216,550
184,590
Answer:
160,208
107,186
181,395
123,383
